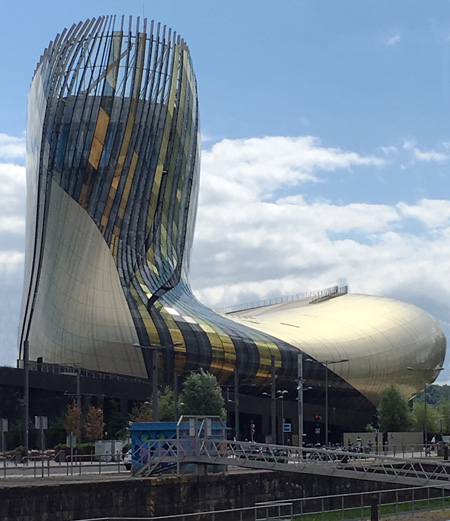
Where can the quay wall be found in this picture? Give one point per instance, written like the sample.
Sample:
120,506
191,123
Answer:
42,500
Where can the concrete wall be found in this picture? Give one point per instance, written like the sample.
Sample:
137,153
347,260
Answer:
46,501
399,439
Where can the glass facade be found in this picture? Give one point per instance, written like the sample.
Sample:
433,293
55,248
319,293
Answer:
113,176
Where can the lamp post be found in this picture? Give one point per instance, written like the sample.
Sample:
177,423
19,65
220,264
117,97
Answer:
281,397
327,363
154,350
425,412
300,398
236,404
26,394
326,393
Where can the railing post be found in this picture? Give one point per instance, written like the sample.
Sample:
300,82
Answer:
374,508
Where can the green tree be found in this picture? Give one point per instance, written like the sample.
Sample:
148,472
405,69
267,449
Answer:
444,414
393,410
56,432
166,405
202,396
418,417
142,413
116,421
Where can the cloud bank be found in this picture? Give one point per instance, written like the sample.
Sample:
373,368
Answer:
259,234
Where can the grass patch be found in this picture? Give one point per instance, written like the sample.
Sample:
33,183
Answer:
383,510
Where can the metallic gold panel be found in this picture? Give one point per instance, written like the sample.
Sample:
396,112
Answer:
138,70
150,327
99,138
128,183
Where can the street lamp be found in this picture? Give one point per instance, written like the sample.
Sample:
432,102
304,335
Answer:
281,397
154,350
326,393
425,415
327,363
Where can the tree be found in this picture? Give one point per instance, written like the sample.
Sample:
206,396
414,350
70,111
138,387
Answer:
202,396
142,413
72,420
116,421
166,405
93,424
444,414
393,410
418,417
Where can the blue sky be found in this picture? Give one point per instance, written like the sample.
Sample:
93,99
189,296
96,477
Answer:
326,145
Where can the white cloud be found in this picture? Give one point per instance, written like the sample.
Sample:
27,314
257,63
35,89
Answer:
12,238
255,238
432,213
393,40
10,261
431,155
389,149
261,165
249,247
12,147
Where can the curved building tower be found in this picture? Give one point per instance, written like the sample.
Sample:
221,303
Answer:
113,174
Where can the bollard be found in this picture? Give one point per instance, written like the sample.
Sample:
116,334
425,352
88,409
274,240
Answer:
374,508
445,452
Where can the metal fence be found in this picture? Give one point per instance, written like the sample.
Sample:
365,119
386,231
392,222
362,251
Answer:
61,464
333,291
395,502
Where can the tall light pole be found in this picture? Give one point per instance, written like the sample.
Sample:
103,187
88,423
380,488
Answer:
300,398
273,399
327,363
300,390
281,397
26,394
154,350
425,412
236,404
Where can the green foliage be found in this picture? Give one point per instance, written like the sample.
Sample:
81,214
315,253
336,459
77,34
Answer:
369,428
166,405
202,396
393,410
142,412
418,417
435,394
55,432
444,414
116,421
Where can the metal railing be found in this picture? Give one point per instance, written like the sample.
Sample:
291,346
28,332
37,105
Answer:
61,464
394,502
339,463
311,296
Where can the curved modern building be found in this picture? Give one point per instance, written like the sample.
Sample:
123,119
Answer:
112,175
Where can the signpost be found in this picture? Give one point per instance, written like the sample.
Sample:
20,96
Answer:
3,429
71,442
41,423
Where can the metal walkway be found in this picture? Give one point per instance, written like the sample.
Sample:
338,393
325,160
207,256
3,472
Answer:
387,469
